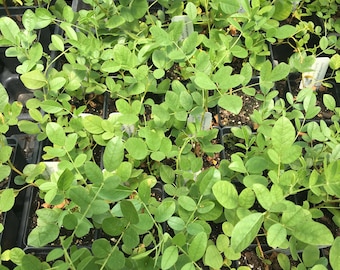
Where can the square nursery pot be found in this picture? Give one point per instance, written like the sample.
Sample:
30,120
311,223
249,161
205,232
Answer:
325,114
29,222
226,118
251,258
11,219
16,91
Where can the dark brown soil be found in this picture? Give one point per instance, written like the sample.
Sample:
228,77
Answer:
250,103
324,112
32,223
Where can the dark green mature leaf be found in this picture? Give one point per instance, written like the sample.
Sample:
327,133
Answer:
129,211
114,226
65,180
55,133
207,179
101,248
245,231
113,154
198,246
30,261
80,196
187,203
313,233
41,236
226,194
93,172
165,210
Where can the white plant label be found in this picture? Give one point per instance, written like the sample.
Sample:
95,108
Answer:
188,25
313,79
205,120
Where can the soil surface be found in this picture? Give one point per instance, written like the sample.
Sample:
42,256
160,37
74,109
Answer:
250,103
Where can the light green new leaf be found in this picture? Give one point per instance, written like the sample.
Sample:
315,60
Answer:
113,154
285,31
276,235
198,246
93,124
51,106
226,194
245,231
3,98
232,103
29,127
263,196
7,199
237,164
329,102
213,257
34,79
170,257
283,137
55,133
334,254
279,72
191,10
335,62
310,255
313,233
137,148
9,29
5,171
57,42
203,81
284,261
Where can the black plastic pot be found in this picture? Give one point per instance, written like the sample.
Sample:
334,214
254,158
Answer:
293,88
12,218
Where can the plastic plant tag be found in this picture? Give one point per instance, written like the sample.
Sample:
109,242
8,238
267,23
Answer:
313,79
129,129
295,4
51,167
197,119
188,27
